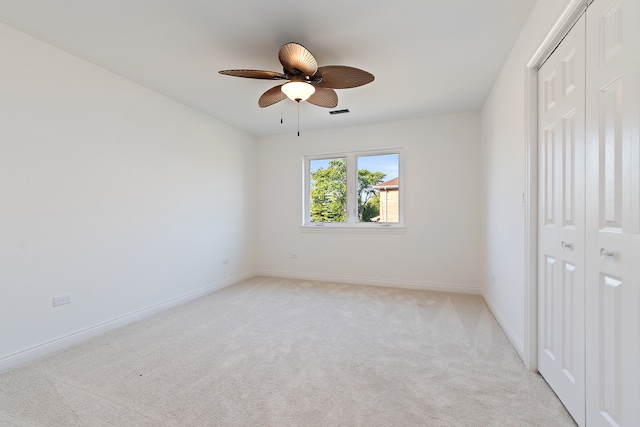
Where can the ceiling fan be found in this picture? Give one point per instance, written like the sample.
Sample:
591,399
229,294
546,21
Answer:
307,81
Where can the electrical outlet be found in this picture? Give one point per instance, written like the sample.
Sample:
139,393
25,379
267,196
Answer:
225,260
294,256
62,300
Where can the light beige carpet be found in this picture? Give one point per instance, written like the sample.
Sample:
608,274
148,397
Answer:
272,352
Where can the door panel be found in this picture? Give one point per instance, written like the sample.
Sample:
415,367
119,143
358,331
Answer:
613,213
561,116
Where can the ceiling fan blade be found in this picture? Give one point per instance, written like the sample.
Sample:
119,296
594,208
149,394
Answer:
342,77
272,96
322,97
297,60
254,74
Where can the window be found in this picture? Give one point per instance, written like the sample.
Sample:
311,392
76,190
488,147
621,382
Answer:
328,190
353,189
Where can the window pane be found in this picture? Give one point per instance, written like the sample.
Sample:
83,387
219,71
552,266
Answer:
328,190
378,188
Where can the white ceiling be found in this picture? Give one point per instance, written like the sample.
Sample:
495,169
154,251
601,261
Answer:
429,57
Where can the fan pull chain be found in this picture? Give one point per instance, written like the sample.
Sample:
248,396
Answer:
281,98
298,118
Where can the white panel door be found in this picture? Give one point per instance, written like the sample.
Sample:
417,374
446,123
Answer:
561,210
613,213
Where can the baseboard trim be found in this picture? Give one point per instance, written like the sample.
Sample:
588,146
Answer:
517,344
32,353
402,284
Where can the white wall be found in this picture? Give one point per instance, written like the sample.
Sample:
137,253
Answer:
503,159
441,246
110,192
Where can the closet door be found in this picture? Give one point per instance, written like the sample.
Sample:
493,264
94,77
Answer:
561,241
613,213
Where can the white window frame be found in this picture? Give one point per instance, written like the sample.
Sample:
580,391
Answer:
352,199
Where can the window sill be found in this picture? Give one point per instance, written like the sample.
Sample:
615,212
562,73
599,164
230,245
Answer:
354,229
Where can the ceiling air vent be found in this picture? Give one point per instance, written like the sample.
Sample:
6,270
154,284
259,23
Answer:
334,112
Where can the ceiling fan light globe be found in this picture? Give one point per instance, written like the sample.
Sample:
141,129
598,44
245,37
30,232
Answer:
298,91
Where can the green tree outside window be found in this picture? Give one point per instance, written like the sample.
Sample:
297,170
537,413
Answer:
329,193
